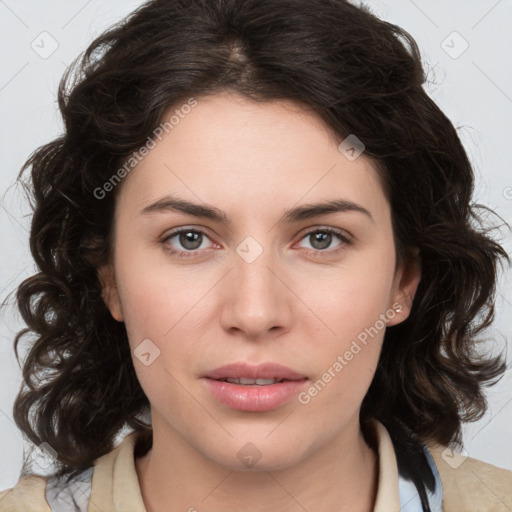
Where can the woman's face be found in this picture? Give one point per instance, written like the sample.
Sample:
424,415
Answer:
261,277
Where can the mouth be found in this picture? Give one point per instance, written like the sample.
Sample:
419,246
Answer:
254,388
260,375
243,381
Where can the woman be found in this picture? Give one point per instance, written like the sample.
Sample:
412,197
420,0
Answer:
257,250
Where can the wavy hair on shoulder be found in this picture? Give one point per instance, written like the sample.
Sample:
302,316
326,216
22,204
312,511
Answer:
360,75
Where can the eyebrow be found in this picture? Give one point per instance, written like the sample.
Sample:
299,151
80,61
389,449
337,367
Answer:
297,214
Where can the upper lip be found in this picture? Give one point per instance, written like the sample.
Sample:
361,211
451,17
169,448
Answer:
261,371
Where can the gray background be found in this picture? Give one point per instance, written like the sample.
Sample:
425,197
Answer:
472,86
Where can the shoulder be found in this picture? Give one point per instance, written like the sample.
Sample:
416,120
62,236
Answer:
470,484
37,493
28,495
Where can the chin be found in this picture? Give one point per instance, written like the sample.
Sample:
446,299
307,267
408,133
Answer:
254,456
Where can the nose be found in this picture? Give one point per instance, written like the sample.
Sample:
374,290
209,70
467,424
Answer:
256,300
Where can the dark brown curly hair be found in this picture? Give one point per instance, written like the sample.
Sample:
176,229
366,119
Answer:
360,75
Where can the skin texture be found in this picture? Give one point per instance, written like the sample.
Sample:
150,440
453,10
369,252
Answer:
293,305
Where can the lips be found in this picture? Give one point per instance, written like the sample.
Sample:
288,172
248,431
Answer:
254,388
246,373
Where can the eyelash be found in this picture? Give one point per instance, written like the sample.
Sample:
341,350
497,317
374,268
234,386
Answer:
314,252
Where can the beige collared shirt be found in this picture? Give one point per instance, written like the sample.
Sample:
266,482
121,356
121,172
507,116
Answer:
121,493
473,487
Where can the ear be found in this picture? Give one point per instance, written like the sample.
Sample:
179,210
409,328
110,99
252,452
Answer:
406,281
110,292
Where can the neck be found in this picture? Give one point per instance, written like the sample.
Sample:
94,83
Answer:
341,476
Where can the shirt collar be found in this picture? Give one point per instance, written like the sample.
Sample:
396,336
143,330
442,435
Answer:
115,485
388,497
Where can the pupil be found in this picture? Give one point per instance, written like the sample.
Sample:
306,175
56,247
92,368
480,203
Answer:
190,240
324,240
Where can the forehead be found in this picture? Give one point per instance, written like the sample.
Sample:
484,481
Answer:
230,149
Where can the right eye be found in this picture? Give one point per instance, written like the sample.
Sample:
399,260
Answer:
190,240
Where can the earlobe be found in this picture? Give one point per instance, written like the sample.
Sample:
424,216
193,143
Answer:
407,279
109,291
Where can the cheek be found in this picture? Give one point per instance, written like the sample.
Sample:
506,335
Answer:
166,310
353,309
345,362
157,297
159,317
353,299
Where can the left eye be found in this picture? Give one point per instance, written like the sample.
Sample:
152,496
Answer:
321,239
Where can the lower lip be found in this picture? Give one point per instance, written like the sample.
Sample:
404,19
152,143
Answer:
254,398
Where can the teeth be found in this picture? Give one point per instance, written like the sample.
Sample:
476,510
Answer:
251,382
